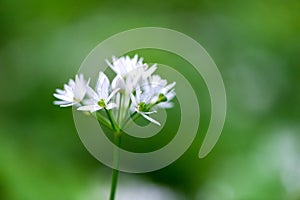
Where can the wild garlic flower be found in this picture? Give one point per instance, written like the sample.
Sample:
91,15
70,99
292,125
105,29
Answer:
73,92
130,72
155,92
162,93
141,105
165,95
134,91
100,98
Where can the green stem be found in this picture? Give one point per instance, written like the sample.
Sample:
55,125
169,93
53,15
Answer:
116,155
115,172
128,119
102,120
112,121
133,115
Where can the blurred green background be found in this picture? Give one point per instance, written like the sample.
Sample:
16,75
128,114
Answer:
256,46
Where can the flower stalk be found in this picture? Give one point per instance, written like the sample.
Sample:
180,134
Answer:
134,92
116,155
115,172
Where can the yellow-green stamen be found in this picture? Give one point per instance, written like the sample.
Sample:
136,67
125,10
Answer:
101,103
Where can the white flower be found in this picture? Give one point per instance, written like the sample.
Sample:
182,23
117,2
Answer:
73,92
161,92
133,91
124,64
140,103
100,98
130,72
166,94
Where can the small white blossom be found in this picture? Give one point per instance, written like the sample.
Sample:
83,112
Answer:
161,92
167,94
140,104
73,92
100,98
125,64
130,72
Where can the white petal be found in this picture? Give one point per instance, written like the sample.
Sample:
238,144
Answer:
60,102
63,97
138,94
150,71
134,59
154,99
102,85
67,105
71,83
168,88
92,94
150,119
80,87
112,94
133,99
64,103
141,60
114,58
110,65
151,112
91,108
111,106
170,95
166,105
59,91
69,89
118,82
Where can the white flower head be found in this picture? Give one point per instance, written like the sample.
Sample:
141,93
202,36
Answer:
162,93
73,92
125,64
165,96
100,97
141,104
133,91
130,72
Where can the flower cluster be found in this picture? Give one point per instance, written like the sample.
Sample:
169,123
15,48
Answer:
135,91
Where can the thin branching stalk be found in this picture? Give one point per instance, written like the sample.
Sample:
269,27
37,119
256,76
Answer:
115,172
116,155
